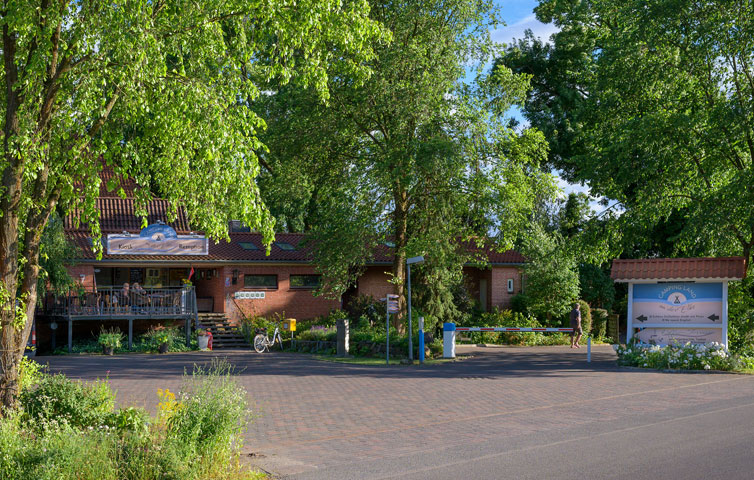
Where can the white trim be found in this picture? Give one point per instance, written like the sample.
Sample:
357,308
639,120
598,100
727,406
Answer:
630,312
725,313
679,325
679,279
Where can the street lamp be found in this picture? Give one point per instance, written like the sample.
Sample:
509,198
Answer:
409,262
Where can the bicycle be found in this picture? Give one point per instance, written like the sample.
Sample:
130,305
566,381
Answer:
262,340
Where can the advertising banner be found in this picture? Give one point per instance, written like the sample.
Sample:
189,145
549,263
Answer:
676,304
157,239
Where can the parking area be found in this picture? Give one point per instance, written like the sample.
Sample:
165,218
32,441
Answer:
314,415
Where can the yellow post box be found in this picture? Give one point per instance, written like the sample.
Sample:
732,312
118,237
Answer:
289,324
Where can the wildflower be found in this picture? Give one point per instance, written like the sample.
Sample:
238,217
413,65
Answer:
706,367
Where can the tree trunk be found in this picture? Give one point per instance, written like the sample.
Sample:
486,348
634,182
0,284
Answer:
400,220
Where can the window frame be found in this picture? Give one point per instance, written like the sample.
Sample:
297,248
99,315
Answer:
304,287
261,287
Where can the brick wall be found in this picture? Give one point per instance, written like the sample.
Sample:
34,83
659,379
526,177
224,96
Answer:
499,295
296,303
375,282
88,275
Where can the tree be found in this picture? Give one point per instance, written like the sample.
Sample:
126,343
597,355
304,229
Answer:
413,160
655,110
159,92
552,278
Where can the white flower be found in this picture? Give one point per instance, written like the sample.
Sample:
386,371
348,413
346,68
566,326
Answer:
706,367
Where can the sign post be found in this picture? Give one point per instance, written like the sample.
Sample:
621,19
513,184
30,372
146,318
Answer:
391,306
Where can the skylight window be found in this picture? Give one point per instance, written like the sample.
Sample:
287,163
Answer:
285,246
248,246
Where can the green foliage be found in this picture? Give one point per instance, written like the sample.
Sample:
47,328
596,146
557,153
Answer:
710,356
200,440
55,254
56,401
364,311
111,338
741,316
586,317
552,282
213,414
597,287
650,104
509,318
599,323
29,373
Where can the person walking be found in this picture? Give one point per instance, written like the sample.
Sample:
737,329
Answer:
576,326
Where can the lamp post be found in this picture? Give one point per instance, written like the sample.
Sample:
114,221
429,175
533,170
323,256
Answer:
409,262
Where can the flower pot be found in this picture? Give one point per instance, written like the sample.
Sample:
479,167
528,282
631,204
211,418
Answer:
163,347
107,350
203,341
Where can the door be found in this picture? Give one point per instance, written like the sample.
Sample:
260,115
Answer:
483,294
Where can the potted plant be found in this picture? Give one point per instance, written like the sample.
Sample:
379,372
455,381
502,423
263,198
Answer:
110,340
202,338
163,340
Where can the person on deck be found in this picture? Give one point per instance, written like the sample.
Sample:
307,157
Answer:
576,326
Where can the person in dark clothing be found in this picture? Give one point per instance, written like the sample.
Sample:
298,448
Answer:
576,326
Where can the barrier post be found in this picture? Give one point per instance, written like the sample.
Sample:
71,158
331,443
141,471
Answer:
448,340
421,339
589,348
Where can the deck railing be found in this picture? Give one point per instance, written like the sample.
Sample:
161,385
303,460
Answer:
118,302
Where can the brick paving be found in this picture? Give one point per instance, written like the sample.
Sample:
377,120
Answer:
314,414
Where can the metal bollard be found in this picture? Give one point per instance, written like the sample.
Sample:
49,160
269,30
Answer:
449,340
589,349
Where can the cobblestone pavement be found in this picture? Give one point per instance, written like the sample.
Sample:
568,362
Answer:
314,414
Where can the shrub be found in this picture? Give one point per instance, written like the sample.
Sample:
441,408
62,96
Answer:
110,338
586,317
365,311
599,322
57,401
709,356
29,373
212,414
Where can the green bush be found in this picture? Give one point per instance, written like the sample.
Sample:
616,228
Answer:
110,338
365,312
29,373
599,322
57,401
586,317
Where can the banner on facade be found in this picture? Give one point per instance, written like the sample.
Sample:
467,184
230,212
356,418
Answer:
669,336
158,239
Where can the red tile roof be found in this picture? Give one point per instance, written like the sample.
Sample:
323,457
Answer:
119,214
678,269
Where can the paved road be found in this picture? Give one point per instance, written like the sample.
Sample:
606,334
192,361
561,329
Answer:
505,413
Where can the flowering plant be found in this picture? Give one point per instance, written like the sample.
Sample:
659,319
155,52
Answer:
708,356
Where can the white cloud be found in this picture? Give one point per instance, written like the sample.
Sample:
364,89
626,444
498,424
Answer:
530,22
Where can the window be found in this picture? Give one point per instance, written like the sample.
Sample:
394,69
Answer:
285,246
305,281
248,246
260,281
390,244
510,285
236,226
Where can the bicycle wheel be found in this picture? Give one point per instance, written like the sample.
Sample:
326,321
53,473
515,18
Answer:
259,343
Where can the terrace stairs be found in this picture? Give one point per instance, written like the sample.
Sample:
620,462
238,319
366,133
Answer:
224,335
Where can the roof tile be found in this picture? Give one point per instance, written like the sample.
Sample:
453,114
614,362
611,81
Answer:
625,270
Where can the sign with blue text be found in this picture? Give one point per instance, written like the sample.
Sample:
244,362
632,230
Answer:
678,312
157,239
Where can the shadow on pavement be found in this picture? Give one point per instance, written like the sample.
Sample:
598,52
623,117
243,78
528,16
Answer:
484,362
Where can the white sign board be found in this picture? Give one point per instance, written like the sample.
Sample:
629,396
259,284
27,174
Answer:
249,295
678,312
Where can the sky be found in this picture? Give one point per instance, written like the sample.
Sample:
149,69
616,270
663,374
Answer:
519,16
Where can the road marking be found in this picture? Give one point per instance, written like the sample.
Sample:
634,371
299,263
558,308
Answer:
559,442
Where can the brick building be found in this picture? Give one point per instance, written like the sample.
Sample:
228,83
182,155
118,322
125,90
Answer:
236,277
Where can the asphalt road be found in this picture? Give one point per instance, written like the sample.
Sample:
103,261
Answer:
700,442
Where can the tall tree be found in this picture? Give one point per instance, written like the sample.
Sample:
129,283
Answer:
414,159
157,91
660,115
